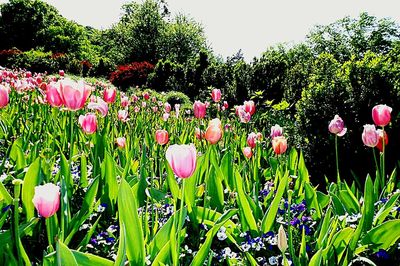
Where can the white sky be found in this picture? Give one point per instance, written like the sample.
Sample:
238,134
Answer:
230,25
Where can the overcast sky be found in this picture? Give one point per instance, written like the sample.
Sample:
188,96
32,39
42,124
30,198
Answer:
230,25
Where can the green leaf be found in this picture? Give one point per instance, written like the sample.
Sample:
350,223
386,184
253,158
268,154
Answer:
312,199
384,235
65,256
31,180
87,259
128,215
269,218
121,255
17,154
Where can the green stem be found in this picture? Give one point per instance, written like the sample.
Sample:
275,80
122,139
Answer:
376,164
71,124
49,233
337,159
180,223
383,177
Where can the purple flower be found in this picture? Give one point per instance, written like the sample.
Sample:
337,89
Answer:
382,254
295,221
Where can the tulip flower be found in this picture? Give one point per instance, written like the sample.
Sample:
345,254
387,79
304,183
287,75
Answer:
124,101
216,95
259,136
46,199
109,95
123,115
251,140
243,115
167,107
276,131
282,240
198,133
53,96
177,107
155,109
207,104
61,73
121,142
336,126
135,98
162,137
154,99
146,95
136,109
182,159
88,123
381,115
382,135
226,105
214,131
279,145
199,109
73,94
165,116
247,152
4,96
249,107
28,74
370,136
100,105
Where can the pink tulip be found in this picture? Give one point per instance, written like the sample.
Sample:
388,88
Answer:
259,136
279,144
88,123
4,96
162,137
198,134
100,105
61,73
381,115
226,105
177,107
207,103
249,107
370,136
165,116
155,109
251,140
136,109
46,199
135,98
167,107
146,95
53,95
182,159
216,95
73,94
276,131
39,79
121,142
247,152
154,99
28,74
244,116
336,126
199,109
123,115
124,101
109,95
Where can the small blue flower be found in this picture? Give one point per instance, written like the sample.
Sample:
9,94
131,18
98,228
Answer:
382,254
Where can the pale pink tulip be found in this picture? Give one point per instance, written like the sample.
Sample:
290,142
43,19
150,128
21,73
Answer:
121,142
336,126
182,159
247,152
124,101
123,115
100,105
46,199
165,116
370,136
276,131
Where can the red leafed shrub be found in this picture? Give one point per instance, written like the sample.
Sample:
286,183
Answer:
134,74
6,54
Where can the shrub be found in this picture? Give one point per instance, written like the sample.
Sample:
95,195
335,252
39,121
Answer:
134,74
176,97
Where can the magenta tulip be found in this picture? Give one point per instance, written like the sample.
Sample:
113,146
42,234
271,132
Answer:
88,123
61,73
146,95
46,199
216,95
182,159
381,115
199,109
370,136
4,96
109,95
249,107
336,126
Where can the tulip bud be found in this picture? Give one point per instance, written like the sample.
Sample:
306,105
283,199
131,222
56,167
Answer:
162,137
370,136
167,107
276,131
216,95
282,240
336,126
88,123
182,159
226,105
382,135
123,115
121,142
61,73
124,101
381,115
46,199
279,144
251,140
247,152
109,95
165,116
199,109
4,96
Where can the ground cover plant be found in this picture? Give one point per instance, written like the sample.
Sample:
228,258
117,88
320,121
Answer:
91,175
